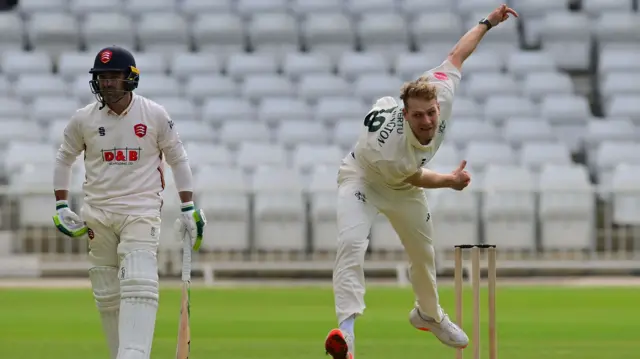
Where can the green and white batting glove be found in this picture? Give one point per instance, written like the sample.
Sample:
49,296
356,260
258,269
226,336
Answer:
192,221
68,222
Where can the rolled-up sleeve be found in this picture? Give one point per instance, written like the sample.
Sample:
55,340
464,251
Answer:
173,149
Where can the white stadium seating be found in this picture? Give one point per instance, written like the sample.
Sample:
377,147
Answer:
270,95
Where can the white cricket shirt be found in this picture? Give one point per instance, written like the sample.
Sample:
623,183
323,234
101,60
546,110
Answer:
123,155
387,151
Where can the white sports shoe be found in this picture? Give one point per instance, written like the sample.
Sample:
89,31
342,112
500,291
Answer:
446,331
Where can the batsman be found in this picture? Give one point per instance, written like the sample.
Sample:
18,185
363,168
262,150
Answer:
125,139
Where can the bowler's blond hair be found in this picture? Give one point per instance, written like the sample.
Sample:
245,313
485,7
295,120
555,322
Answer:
420,88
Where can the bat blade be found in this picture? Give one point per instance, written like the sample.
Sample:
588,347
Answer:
184,331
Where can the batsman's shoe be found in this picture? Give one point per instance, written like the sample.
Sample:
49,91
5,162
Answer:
339,344
446,331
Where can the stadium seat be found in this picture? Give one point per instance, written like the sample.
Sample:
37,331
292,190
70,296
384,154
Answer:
504,39
411,65
441,28
151,64
567,208
332,109
599,130
522,63
536,85
298,64
164,33
617,27
534,155
565,109
191,130
499,108
328,33
159,85
456,218
468,8
11,107
618,60
410,8
100,30
383,237
322,189
54,33
520,130
273,110
249,8
30,7
612,153
275,33
6,88
482,85
303,8
71,64
466,129
33,183
620,83
625,194
370,87
28,87
202,87
508,208
352,65
195,7
11,32
595,8
18,130
258,87
206,154
241,65
564,37
218,109
447,156
293,132
142,7
220,33
55,131
81,90
624,106
346,131
279,211
466,107
34,152
179,109
483,61
233,133
481,153
81,8
312,87
383,32
365,7
46,108
18,63
309,156
252,155
532,13
223,195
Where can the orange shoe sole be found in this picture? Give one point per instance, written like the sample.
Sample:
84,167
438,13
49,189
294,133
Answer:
337,346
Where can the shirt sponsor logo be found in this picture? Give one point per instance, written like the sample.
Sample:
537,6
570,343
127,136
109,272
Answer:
121,156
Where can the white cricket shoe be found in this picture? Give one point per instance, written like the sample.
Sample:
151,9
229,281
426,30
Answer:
339,344
446,331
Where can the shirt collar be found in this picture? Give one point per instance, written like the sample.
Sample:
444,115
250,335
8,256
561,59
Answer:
126,110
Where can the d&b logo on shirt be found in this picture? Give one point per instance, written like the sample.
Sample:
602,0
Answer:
121,156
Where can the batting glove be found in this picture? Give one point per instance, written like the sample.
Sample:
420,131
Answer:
68,222
192,221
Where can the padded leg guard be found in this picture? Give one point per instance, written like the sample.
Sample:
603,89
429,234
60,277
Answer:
106,291
139,304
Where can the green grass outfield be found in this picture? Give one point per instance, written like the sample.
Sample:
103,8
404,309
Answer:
262,323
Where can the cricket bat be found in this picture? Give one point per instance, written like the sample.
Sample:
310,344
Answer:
184,329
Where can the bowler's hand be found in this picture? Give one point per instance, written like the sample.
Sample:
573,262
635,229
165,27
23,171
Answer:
461,178
501,14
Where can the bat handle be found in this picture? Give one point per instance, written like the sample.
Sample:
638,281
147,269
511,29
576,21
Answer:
186,257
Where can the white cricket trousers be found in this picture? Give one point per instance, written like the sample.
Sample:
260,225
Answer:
358,205
113,235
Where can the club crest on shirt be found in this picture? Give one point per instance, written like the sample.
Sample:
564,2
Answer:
140,130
